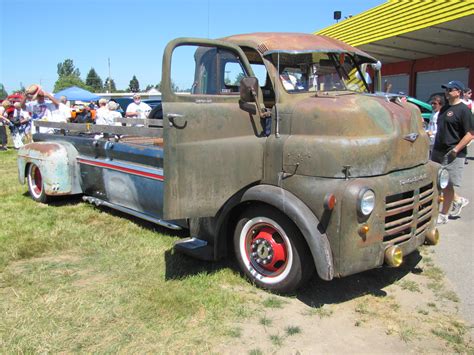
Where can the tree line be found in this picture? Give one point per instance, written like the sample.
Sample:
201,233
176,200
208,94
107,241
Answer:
69,75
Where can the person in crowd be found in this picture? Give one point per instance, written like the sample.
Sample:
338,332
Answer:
137,108
468,102
103,116
93,105
455,132
20,125
467,99
4,122
403,96
436,104
114,114
65,108
63,112
38,107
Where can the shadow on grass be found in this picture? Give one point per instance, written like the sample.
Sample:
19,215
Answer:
318,292
180,266
60,201
143,223
372,282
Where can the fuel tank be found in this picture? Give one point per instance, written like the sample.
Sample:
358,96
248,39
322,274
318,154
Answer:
341,135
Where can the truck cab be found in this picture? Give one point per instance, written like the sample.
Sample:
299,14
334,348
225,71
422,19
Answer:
331,139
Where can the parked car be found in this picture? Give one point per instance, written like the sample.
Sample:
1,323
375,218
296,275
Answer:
424,107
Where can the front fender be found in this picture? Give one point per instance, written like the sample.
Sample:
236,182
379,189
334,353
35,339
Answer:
57,163
304,219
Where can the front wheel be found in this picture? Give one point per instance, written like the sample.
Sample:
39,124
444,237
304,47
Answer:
35,184
271,251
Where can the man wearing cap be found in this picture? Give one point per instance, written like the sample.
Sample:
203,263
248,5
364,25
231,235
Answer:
455,131
137,108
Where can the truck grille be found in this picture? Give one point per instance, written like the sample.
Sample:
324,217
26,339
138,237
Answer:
408,214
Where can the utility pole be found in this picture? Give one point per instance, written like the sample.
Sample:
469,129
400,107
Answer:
110,79
208,17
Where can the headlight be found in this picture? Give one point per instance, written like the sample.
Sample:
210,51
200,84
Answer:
443,178
366,202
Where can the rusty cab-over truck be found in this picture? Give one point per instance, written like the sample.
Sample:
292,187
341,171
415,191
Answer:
300,169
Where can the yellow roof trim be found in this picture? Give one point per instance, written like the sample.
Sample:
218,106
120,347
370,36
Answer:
397,17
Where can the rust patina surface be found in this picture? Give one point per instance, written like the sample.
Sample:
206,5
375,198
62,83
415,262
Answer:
312,131
274,41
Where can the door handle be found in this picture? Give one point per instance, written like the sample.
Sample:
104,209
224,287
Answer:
172,117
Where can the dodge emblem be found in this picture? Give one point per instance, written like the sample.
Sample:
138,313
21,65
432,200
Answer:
411,137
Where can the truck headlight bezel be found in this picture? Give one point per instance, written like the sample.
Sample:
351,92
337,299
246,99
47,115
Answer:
443,178
366,202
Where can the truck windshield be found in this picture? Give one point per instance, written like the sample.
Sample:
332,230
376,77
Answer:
319,71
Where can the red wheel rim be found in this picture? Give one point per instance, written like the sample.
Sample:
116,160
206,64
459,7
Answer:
37,181
266,250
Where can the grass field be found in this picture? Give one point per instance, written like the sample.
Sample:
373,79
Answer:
76,277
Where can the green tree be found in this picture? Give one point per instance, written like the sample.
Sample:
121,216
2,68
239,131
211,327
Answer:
69,76
174,87
238,78
3,92
65,82
149,87
134,85
94,81
112,87
67,68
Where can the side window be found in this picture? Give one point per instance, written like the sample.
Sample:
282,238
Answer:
261,73
233,74
200,70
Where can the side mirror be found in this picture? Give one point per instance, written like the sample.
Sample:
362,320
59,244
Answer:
248,89
377,76
377,66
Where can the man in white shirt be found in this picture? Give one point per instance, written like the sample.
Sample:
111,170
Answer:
64,109
137,108
103,116
39,108
114,114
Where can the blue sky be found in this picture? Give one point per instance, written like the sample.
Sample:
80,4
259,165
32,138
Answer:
37,35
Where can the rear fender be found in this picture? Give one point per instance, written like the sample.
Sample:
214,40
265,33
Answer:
57,163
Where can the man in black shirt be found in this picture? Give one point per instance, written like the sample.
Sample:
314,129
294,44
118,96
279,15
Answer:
455,132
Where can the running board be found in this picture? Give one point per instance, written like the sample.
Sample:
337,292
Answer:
196,248
98,202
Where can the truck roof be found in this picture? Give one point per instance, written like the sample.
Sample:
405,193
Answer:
270,42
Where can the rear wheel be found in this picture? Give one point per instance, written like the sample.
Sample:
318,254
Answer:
271,250
35,184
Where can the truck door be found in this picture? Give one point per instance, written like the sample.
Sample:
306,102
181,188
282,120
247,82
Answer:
212,147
